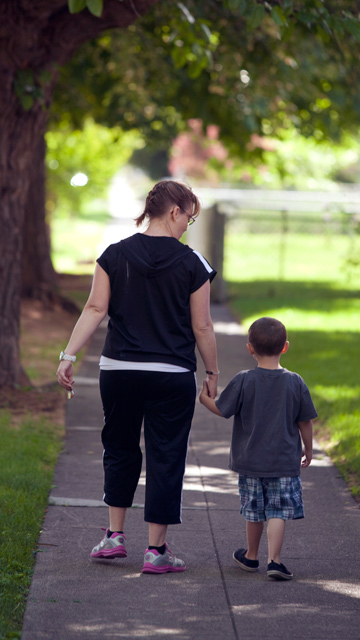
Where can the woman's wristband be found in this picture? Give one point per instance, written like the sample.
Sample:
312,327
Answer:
65,356
212,373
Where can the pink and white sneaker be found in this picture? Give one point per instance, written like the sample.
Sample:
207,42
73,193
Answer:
113,547
155,562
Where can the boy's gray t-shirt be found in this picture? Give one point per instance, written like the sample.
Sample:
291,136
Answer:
267,405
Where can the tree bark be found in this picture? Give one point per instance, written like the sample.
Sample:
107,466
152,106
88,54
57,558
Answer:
38,275
20,131
35,35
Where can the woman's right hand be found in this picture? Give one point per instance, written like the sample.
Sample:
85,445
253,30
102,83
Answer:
65,374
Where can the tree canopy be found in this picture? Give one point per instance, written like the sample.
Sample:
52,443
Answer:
249,67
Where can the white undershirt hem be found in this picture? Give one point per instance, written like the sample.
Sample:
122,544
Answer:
109,364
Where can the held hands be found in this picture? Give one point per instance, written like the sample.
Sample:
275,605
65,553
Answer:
204,391
211,385
207,399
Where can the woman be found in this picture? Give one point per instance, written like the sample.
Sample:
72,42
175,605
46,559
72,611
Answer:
156,292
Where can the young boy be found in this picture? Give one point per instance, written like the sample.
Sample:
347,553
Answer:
272,411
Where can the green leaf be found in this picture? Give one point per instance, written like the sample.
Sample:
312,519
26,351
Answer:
326,27
255,16
179,56
95,7
239,6
75,6
195,69
305,18
352,26
278,16
336,25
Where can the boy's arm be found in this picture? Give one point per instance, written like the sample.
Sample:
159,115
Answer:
306,430
208,402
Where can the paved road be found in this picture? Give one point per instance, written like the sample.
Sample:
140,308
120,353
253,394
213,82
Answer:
73,597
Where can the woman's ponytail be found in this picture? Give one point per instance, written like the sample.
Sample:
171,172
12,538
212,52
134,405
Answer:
163,196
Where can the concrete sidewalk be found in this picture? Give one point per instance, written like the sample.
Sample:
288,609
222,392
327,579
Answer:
73,597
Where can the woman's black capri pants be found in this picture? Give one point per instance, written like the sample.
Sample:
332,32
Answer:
166,402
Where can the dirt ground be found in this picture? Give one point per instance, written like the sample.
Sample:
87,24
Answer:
45,331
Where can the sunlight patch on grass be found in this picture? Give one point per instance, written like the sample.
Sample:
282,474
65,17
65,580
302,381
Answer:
300,320
345,446
295,256
337,393
76,245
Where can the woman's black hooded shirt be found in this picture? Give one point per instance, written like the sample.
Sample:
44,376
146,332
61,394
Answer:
151,279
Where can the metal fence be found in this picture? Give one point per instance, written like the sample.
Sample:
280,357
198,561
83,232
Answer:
268,211
271,212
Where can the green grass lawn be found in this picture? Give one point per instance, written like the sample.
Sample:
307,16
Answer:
291,257
75,241
318,300
28,453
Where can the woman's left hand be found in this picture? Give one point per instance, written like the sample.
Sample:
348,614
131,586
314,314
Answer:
212,384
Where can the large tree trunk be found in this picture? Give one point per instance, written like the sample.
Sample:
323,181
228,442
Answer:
34,34
38,275
20,132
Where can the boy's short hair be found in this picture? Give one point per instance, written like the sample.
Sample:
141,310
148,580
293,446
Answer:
267,336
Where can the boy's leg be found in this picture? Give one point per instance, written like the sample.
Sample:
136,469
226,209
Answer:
254,532
283,502
275,536
252,508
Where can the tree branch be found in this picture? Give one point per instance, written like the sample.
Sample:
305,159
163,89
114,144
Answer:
36,33
68,31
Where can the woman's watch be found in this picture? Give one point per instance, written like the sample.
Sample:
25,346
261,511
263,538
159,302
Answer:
65,356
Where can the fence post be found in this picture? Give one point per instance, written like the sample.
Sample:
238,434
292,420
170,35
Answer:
207,236
218,287
283,241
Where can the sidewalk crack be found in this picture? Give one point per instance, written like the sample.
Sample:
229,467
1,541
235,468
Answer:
203,484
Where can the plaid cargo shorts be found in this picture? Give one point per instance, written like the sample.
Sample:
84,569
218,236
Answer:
265,498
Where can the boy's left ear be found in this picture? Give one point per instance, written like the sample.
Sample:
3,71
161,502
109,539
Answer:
250,348
286,346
